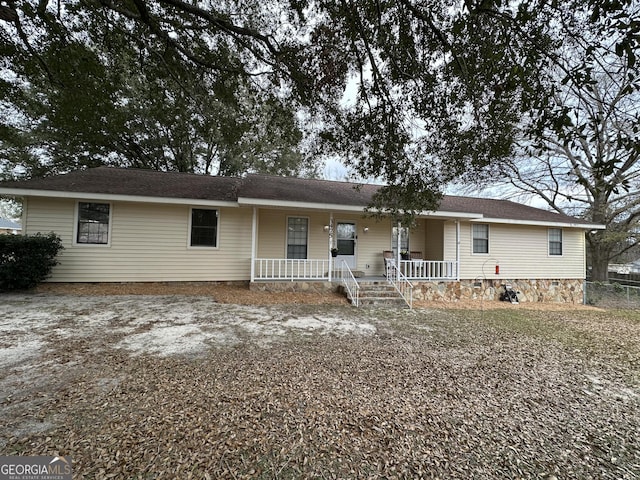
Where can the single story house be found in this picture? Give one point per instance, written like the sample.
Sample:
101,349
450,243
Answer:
9,227
130,225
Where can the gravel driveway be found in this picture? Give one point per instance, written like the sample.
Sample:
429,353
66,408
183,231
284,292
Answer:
184,387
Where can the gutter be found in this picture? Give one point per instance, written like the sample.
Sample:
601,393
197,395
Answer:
543,223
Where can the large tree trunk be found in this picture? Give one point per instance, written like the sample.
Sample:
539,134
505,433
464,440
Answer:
599,255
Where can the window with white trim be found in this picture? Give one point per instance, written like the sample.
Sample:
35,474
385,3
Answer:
555,241
297,237
93,223
480,237
204,227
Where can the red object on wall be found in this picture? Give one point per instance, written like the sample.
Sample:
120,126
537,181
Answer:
497,269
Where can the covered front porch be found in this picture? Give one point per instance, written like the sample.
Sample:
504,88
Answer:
311,245
328,269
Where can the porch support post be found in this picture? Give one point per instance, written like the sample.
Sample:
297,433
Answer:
458,250
254,228
330,245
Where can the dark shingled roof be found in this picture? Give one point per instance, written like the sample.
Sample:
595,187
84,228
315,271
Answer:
504,209
268,187
150,183
343,193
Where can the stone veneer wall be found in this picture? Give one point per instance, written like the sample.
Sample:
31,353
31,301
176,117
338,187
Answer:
299,286
562,291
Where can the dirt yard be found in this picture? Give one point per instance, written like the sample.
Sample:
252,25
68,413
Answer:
227,383
240,294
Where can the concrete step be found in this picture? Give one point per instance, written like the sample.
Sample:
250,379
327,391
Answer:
397,302
376,285
385,294
379,294
377,288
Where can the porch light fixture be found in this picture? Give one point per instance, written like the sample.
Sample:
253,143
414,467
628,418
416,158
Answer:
365,229
326,228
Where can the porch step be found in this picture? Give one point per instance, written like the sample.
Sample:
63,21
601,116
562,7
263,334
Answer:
379,294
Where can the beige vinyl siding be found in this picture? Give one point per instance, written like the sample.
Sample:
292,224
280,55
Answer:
449,240
44,215
429,239
520,250
372,244
434,240
149,242
272,233
417,238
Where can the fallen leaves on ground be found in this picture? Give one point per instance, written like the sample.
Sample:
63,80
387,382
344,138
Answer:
240,294
432,394
232,292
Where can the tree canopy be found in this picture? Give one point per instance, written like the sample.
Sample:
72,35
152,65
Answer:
442,89
89,83
577,148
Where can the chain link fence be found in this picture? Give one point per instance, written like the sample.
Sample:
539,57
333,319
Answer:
611,295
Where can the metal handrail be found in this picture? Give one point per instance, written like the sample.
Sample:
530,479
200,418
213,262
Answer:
401,283
350,283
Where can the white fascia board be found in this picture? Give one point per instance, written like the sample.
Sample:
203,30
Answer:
452,215
260,202
115,197
538,223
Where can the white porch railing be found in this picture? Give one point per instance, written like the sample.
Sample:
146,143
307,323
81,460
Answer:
318,269
429,269
291,269
350,284
401,283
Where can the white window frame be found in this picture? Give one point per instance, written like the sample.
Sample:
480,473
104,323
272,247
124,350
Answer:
473,252
204,247
561,254
76,220
286,236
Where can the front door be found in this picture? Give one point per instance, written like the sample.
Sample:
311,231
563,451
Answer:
346,243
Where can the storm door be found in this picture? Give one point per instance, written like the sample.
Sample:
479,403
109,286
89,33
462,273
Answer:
346,243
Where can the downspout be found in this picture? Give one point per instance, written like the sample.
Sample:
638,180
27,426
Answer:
457,250
254,228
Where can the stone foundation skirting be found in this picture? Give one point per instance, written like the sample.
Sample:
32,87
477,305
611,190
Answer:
297,286
550,291
559,291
